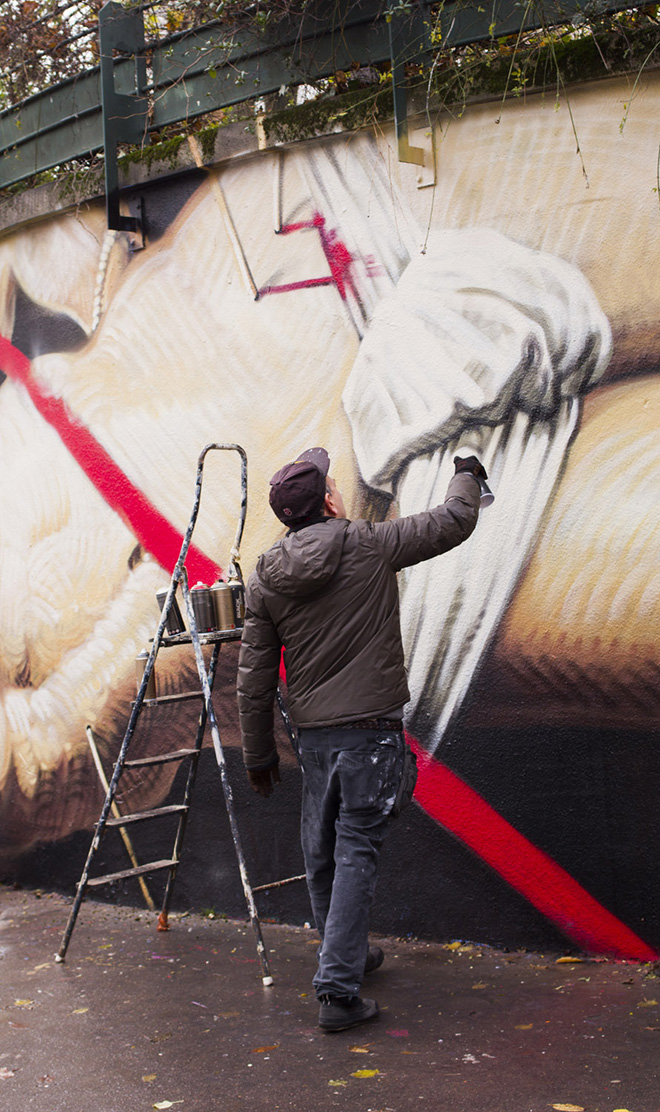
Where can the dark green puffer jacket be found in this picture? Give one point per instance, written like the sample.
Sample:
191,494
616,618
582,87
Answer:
329,594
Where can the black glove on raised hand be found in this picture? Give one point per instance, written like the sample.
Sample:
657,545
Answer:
263,780
470,464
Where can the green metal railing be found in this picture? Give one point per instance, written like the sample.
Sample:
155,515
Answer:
199,71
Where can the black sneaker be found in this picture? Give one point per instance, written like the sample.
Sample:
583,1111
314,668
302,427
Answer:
338,1013
375,959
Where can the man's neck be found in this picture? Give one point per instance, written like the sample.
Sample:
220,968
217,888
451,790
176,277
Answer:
311,521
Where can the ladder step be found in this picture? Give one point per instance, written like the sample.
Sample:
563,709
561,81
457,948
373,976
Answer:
279,883
137,816
152,867
177,697
161,758
204,638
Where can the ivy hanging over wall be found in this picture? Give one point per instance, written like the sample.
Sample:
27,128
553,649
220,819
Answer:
42,41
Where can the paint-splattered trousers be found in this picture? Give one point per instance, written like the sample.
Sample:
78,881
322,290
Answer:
350,781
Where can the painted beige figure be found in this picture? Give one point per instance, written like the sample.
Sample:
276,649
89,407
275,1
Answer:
177,353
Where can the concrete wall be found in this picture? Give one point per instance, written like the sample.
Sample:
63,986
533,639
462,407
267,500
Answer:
510,308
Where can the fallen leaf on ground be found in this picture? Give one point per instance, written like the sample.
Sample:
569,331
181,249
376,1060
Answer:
568,1107
568,961
264,1049
359,1049
23,1003
337,1083
79,1011
149,1077
6,1073
166,1103
648,1004
524,1026
365,1073
480,984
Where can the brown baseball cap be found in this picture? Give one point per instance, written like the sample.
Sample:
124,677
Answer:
297,490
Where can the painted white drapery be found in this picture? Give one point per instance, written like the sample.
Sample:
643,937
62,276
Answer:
485,346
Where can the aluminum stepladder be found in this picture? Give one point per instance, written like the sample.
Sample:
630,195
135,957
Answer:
207,714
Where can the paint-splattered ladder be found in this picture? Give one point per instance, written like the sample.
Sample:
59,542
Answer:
110,815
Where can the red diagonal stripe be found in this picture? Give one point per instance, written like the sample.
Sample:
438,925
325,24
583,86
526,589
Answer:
154,532
449,800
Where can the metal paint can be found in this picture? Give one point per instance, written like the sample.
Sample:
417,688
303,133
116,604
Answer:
203,608
140,665
223,600
487,496
174,623
238,599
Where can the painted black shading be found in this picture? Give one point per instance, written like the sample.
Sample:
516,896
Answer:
38,330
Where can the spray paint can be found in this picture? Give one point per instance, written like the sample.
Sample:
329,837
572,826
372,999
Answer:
224,606
203,608
238,600
174,622
140,665
487,496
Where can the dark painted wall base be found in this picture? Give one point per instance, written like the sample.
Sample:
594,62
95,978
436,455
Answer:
430,886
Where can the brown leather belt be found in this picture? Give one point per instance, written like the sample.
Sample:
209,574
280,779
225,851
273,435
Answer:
368,724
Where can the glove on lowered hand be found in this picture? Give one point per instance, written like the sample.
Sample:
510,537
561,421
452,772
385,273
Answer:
471,464
263,780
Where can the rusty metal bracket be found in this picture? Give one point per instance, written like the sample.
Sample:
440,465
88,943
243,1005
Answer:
409,40
125,111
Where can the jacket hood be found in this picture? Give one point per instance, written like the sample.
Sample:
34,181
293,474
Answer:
303,562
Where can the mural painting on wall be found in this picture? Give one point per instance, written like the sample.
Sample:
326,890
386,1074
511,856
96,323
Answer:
510,317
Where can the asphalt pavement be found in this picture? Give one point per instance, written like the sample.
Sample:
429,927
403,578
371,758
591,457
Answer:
137,1019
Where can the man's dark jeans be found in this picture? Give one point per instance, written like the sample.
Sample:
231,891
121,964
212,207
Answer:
350,780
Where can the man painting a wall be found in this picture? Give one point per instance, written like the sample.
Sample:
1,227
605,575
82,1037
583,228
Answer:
328,594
